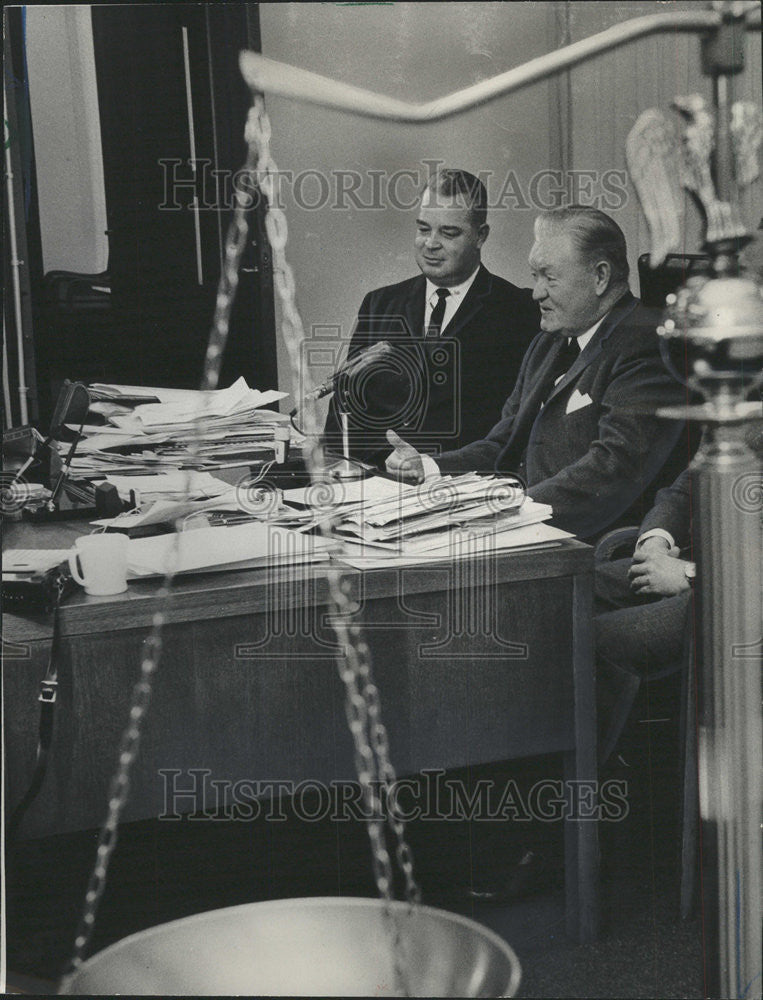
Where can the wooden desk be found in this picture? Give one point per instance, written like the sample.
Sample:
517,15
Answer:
486,661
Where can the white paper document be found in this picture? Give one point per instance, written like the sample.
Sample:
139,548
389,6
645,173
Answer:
454,546
446,500
223,548
365,491
32,560
191,405
191,399
189,483
169,511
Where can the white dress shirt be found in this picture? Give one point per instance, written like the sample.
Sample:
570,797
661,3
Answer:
430,465
657,533
690,568
585,337
452,301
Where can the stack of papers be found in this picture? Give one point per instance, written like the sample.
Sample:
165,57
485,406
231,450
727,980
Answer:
458,544
187,429
438,506
379,521
169,511
172,405
243,546
174,485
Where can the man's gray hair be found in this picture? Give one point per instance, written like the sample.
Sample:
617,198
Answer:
595,234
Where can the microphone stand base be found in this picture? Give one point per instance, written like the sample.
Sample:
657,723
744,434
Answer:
346,470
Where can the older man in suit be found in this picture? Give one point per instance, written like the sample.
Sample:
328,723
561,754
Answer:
580,426
458,334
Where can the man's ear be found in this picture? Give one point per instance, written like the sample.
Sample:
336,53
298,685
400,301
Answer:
603,276
482,234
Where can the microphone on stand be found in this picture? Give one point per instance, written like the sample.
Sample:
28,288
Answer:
361,361
347,468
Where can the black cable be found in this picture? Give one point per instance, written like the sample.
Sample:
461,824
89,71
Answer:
62,476
293,423
47,698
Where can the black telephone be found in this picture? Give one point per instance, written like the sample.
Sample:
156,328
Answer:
36,590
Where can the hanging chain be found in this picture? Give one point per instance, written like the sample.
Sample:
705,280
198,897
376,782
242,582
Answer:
120,785
141,695
371,745
363,707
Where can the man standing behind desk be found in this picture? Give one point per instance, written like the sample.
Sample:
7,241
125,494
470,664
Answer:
459,334
579,427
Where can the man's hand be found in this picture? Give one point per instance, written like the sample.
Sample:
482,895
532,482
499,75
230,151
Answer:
404,462
657,571
658,545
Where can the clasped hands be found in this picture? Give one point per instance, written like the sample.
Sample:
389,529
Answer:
657,569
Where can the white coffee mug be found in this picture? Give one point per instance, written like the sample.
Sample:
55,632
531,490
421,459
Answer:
103,562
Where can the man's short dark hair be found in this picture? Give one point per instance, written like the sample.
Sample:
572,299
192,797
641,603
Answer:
450,182
596,235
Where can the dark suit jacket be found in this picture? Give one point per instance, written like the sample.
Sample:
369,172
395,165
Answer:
672,510
596,462
437,394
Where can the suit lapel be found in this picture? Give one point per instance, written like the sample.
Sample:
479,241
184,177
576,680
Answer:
530,409
414,305
413,309
531,405
622,308
472,303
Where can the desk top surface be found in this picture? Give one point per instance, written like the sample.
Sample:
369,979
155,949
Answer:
239,592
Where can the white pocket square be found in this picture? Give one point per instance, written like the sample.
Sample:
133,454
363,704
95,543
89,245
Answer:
577,401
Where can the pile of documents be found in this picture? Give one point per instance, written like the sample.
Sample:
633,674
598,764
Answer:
450,516
436,506
208,506
173,485
186,429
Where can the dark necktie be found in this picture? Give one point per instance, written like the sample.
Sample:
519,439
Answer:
564,361
438,314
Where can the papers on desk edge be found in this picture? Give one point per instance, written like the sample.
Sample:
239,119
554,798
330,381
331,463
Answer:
26,561
458,544
170,484
365,492
167,511
450,515
243,546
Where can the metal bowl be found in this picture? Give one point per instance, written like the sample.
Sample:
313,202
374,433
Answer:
306,947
